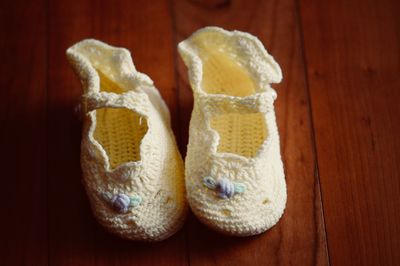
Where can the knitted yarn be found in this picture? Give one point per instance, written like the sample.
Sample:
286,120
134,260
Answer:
132,169
234,173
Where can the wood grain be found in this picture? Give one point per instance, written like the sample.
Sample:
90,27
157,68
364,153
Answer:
337,110
75,237
352,52
22,114
299,238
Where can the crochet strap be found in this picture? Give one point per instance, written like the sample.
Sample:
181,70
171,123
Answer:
218,104
135,101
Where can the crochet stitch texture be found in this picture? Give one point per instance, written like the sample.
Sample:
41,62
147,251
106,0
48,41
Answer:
132,169
233,138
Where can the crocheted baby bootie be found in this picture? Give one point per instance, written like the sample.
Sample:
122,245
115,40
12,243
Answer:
132,169
234,173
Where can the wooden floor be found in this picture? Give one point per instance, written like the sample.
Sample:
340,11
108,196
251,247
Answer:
338,114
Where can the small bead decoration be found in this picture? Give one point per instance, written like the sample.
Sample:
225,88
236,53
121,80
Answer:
224,187
121,202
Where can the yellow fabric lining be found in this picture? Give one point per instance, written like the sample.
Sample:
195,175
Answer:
222,69
223,73
107,85
119,130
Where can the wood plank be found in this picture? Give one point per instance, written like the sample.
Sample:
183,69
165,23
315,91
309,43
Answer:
22,115
145,29
299,237
352,52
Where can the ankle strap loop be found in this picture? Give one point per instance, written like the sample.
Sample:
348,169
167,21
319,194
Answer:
256,103
135,101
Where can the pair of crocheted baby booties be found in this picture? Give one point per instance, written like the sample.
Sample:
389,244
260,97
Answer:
133,173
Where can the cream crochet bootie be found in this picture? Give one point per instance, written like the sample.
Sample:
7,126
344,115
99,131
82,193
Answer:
132,169
234,173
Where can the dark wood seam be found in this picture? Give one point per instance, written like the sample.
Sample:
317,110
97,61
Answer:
178,107
310,115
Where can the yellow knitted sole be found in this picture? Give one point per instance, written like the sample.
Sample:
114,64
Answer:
241,134
119,130
223,73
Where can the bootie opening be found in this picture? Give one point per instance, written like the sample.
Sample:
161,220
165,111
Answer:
120,132
110,63
223,71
